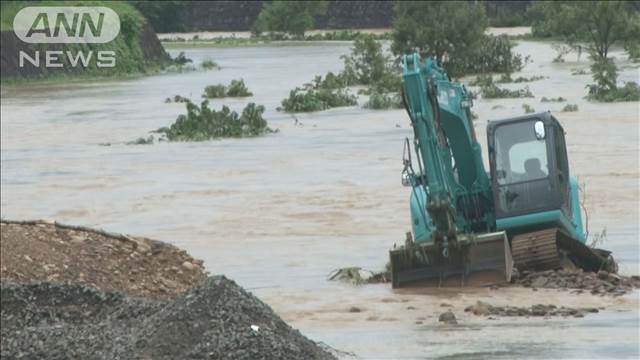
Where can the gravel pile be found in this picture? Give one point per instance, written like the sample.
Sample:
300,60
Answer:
602,283
482,308
215,320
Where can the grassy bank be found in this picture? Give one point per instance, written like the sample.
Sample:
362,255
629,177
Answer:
137,49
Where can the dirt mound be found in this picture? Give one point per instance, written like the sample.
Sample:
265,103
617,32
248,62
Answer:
41,251
216,319
602,283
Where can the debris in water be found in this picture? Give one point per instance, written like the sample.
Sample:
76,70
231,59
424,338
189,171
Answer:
483,309
357,275
602,283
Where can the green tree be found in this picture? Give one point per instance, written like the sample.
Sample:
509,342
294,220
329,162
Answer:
450,31
596,26
291,17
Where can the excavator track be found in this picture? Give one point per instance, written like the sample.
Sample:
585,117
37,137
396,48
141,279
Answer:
536,250
545,250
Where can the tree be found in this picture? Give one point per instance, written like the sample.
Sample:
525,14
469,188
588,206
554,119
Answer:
291,17
450,31
596,25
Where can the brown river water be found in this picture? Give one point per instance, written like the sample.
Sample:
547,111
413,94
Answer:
280,212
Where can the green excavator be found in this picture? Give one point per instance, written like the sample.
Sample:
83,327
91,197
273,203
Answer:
470,226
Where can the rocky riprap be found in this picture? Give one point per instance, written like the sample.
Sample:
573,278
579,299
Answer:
215,320
601,283
483,308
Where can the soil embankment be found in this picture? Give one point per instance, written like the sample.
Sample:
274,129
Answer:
74,292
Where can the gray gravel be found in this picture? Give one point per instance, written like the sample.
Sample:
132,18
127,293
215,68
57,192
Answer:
216,320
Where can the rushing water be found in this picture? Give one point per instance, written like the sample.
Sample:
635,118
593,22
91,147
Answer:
278,213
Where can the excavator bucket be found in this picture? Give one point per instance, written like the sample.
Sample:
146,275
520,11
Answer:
473,260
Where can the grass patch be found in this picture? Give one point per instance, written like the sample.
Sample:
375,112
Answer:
570,108
236,88
203,123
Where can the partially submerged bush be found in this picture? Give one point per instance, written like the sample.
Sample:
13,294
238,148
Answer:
558,99
379,101
215,91
494,92
570,108
209,64
181,59
177,99
237,88
629,92
301,100
482,80
506,78
202,123
528,109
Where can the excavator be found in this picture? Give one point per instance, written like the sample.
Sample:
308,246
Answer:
470,226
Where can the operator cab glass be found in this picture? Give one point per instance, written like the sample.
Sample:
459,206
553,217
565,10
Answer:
527,169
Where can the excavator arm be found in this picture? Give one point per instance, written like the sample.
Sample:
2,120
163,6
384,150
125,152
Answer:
452,203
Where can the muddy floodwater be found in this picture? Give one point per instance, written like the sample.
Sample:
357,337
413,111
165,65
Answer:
280,212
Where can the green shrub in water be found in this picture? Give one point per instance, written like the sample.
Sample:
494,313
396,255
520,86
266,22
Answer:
237,88
570,108
494,92
202,123
379,101
528,109
558,99
301,100
209,64
215,91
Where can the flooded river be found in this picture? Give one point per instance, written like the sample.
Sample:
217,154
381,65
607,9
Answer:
278,213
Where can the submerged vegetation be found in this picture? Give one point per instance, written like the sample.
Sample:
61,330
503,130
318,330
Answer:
489,90
593,26
306,100
558,99
368,65
209,64
236,88
378,101
528,109
203,123
570,108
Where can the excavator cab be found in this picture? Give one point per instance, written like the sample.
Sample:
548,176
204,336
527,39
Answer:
529,168
536,200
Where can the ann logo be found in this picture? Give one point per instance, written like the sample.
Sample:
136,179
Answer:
78,26
66,24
